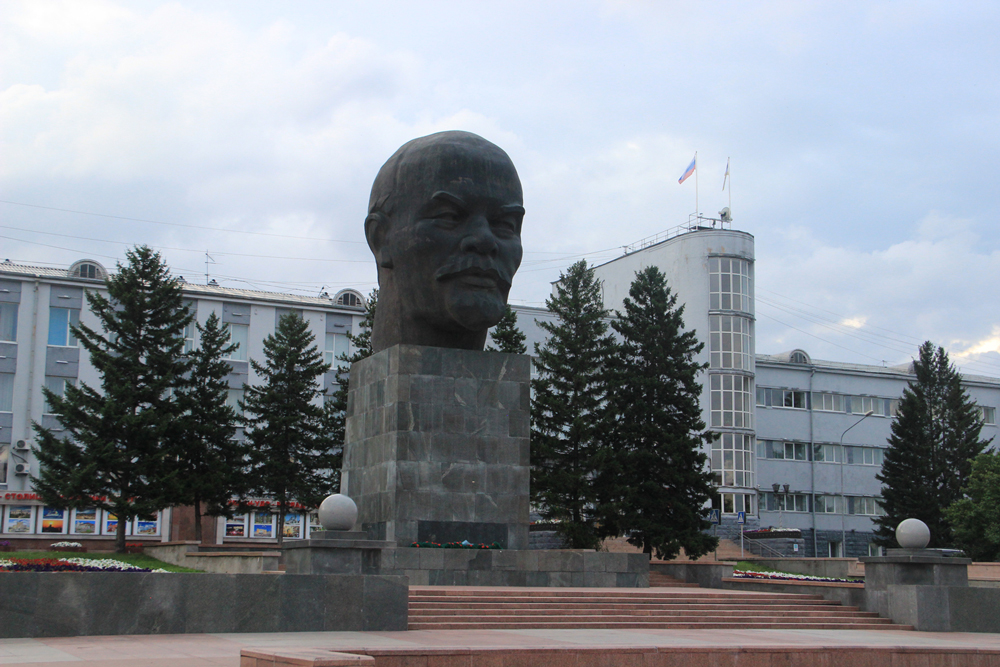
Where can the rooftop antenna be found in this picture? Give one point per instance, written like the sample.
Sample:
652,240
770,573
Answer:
208,260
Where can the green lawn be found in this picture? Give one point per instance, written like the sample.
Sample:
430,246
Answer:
749,566
139,560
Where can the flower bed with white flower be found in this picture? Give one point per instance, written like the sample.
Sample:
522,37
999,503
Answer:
69,565
788,576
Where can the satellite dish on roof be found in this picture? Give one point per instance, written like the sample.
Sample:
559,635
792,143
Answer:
726,215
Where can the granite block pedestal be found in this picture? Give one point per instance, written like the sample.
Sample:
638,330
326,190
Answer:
436,446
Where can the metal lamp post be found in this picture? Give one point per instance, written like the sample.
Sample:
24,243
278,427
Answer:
843,509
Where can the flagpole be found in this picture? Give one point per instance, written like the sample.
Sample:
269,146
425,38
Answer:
730,170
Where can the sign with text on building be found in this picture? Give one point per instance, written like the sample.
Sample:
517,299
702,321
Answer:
741,517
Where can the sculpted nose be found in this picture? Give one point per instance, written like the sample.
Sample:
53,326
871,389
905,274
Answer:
479,238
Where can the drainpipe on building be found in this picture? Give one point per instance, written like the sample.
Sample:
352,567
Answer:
812,464
843,498
31,369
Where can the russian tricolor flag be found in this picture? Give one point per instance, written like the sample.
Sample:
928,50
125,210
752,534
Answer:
689,170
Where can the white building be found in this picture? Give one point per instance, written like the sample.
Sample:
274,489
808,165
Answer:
779,418
37,306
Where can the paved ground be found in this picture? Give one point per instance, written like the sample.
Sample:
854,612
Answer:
223,649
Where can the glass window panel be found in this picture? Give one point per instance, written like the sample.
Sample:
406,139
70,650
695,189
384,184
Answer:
4,457
8,322
6,392
238,333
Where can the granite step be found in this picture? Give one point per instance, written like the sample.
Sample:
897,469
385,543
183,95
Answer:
512,609
660,580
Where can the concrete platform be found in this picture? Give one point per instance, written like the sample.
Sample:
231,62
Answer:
732,648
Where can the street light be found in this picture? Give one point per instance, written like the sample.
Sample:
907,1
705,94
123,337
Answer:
843,508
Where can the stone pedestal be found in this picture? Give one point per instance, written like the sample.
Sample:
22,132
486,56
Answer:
335,552
437,446
913,586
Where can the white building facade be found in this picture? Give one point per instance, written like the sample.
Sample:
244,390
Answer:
37,348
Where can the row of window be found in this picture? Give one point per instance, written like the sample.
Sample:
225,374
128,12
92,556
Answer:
730,342
823,503
799,399
264,524
828,453
730,284
732,460
731,401
34,519
731,503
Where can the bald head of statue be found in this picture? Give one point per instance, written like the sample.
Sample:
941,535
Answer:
444,224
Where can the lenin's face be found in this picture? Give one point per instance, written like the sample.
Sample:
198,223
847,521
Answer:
454,241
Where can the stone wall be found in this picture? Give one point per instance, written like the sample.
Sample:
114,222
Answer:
71,604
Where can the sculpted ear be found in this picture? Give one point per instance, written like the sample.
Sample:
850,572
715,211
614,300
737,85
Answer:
376,229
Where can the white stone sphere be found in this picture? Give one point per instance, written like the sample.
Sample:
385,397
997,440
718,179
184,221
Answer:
338,512
913,534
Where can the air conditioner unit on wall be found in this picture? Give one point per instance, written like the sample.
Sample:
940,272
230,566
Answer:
22,446
22,468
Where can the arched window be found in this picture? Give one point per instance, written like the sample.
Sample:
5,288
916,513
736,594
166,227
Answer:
88,269
351,299
799,357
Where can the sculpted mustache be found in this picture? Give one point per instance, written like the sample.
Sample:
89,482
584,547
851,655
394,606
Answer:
471,267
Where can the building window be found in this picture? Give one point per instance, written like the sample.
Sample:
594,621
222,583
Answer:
868,456
730,283
88,270
784,502
60,321
864,505
350,299
788,451
828,402
337,344
829,504
731,503
874,549
862,404
782,398
828,453
4,456
988,415
6,392
798,357
8,322
233,398
238,333
731,401
58,387
189,330
732,460
730,342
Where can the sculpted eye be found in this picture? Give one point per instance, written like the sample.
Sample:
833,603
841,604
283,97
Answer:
504,227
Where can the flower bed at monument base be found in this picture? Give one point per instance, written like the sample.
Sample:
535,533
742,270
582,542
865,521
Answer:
465,544
68,565
785,576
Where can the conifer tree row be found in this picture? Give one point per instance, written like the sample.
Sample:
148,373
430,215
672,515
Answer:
655,484
290,447
120,453
935,437
568,416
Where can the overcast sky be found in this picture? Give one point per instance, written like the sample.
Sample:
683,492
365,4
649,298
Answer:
864,138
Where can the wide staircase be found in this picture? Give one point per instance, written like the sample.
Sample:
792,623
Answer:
440,608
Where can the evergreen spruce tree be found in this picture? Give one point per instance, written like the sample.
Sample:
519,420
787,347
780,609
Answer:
567,407
289,448
211,462
655,486
335,412
506,336
934,438
119,453
975,519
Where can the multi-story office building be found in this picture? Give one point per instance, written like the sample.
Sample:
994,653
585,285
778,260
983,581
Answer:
818,452
779,419
790,451
37,307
